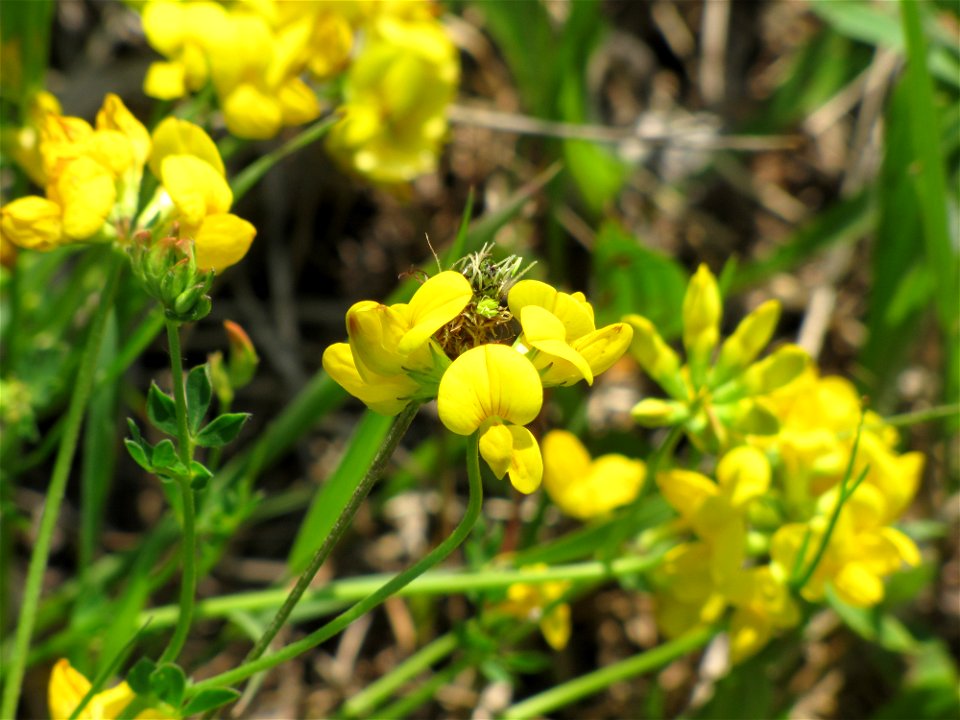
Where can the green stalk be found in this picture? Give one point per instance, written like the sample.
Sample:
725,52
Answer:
57,488
380,460
598,680
188,583
372,696
439,582
333,627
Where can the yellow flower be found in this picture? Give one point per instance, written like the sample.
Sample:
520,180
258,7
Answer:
763,605
583,487
92,179
391,340
396,94
68,687
527,601
861,552
560,328
23,144
180,31
495,390
718,406
391,358
818,425
191,172
387,395
689,593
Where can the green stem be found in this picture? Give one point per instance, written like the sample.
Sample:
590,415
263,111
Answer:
58,484
380,460
846,490
188,583
372,696
440,582
594,682
251,174
333,627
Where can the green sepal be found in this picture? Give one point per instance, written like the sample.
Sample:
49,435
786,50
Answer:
221,430
161,410
198,396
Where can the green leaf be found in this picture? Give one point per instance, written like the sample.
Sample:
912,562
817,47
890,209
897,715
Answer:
161,410
169,682
222,430
139,676
165,459
99,450
631,278
874,624
138,454
200,475
198,396
210,699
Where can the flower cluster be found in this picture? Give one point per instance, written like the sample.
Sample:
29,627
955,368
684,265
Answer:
92,177
266,59
458,341
783,514
820,420
717,403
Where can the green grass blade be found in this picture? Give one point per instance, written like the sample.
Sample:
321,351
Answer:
928,155
333,496
99,452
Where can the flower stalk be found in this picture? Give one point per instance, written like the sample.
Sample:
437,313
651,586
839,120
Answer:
185,447
380,460
438,554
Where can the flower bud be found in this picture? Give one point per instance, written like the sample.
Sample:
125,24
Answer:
168,270
746,342
655,412
701,315
656,357
243,360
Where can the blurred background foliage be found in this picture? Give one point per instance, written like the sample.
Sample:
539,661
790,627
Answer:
808,151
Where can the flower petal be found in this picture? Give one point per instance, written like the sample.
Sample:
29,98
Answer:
31,222
195,187
222,240
743,474
526,462
544,331
490,381
174,136
384,395
438,301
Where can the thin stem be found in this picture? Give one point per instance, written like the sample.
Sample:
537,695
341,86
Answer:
846,490
591,683
380,460
251,174
439,582
333,627
188,552
58,484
